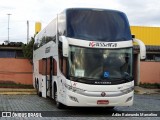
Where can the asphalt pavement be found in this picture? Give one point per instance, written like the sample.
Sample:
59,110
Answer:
18,106
19,103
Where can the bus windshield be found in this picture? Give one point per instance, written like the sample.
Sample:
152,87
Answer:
100,64
97,25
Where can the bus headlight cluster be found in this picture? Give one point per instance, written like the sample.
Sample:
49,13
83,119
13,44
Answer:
128,90
74,89
73,98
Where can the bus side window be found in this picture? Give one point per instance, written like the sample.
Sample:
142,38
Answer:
64,66
54,67
48,66
42,66
60,62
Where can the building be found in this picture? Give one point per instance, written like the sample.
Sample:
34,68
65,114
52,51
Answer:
147,71
14,68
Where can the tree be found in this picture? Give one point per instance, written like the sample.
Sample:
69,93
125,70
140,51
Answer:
28,50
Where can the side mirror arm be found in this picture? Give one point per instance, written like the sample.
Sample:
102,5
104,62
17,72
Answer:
142,48
65,45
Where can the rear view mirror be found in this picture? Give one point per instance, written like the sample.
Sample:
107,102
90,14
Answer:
65,45
142,48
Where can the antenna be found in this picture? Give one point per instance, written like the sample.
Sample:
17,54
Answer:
27,31
8,25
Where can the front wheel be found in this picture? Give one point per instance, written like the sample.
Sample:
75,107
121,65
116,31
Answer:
58,104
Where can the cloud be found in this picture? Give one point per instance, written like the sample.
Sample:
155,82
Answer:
139,12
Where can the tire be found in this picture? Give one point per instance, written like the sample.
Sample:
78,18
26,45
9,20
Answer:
58,104
37,89
110,108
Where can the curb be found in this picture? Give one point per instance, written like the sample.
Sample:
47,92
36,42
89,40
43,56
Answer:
10,91
146,91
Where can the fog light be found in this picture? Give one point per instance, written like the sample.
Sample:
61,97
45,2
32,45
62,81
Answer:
129,99
73,98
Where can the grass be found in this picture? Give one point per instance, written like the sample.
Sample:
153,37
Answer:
149,85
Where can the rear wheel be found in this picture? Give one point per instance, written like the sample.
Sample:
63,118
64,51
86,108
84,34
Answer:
37,89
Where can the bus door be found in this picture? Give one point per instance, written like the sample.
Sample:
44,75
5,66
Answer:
49,72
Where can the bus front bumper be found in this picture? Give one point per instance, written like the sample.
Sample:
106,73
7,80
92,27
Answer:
75,99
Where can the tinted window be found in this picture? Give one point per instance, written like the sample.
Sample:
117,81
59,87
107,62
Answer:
97,25
7,54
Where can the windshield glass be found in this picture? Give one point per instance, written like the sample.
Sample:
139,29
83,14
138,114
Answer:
97,25
100,64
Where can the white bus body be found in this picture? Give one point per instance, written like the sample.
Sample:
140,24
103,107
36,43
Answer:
80,57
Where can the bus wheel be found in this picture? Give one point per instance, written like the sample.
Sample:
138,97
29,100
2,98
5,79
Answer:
58,104
37,89
110,108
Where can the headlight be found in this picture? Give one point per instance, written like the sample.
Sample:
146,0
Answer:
74,89
128,90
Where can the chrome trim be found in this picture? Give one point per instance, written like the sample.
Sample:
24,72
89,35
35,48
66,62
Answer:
98,93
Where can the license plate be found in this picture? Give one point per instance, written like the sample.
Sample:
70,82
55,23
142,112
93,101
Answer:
102,101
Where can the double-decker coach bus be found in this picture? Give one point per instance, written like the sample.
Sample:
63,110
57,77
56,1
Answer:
84,57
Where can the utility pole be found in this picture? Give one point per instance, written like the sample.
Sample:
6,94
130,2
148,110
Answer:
8,25
27,31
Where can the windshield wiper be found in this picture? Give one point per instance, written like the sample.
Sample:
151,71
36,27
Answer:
85,78
113,78
127,77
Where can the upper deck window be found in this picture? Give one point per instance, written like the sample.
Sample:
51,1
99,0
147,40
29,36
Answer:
97,25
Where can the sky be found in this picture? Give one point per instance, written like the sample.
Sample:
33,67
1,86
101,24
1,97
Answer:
139,13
